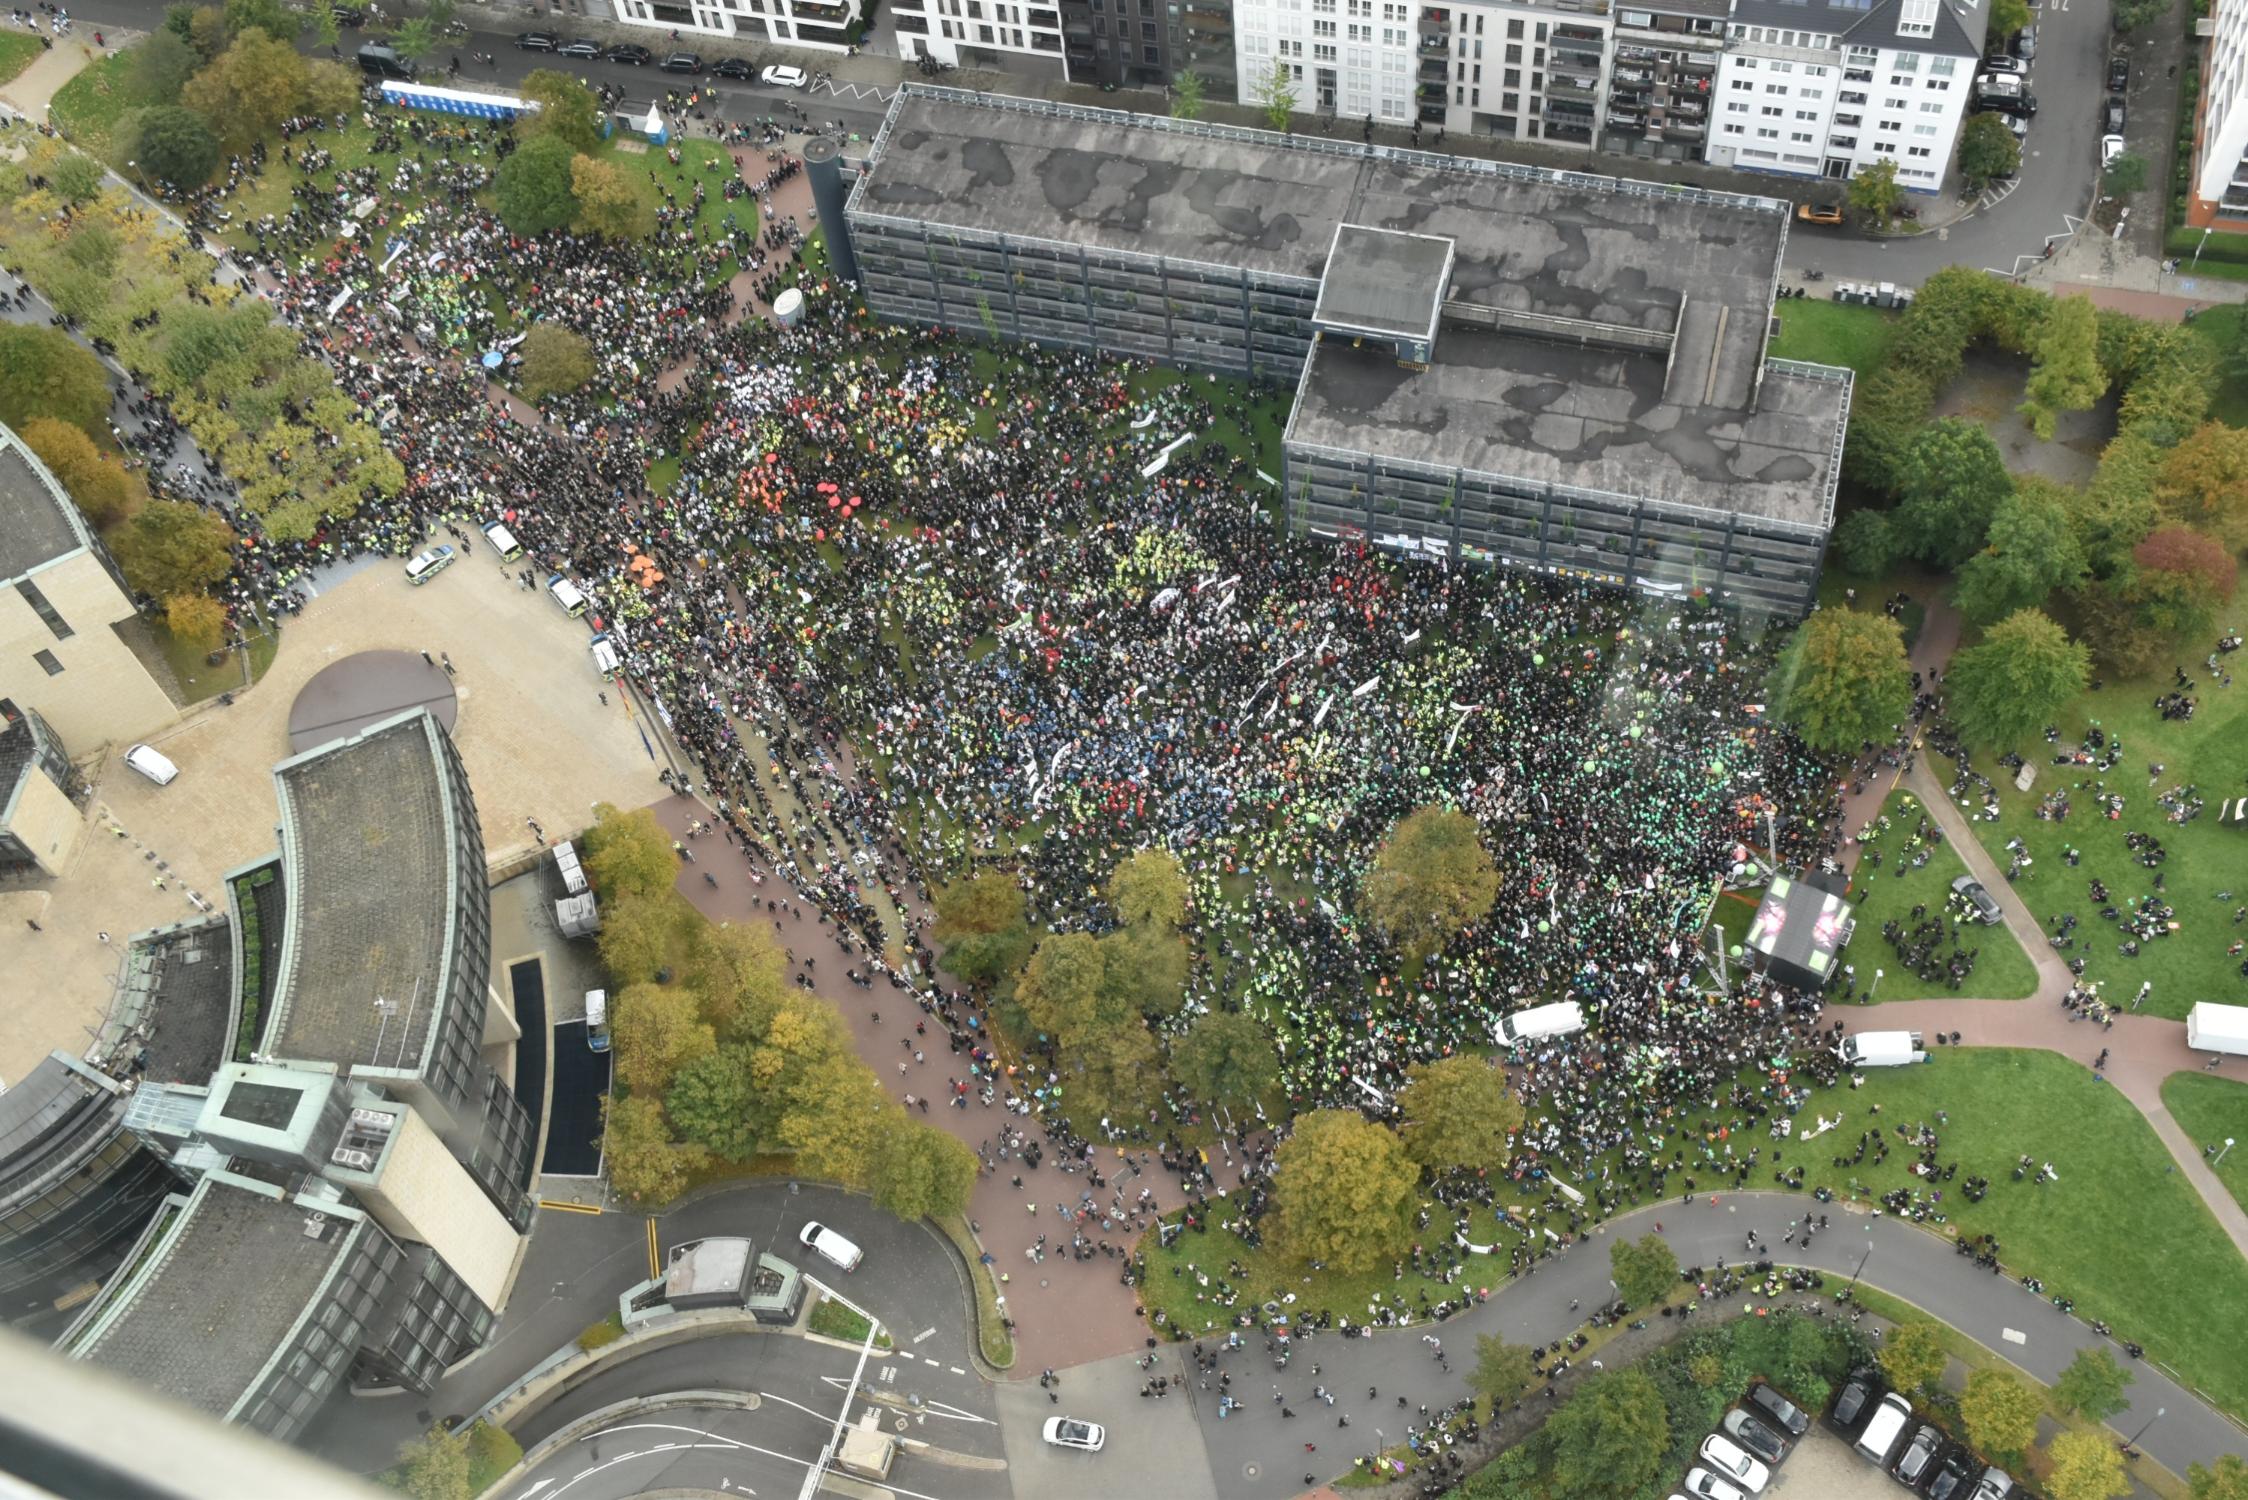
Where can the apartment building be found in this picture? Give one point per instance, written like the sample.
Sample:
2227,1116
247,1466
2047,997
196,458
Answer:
822,25
1662,72
1823,88
1352,59
1516,72
2217,191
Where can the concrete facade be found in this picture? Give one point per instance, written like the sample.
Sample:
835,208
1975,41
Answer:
1589,395
420,1193
43,822
2217,189
818,25
86,682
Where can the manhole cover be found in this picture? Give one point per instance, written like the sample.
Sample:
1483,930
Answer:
1251,1471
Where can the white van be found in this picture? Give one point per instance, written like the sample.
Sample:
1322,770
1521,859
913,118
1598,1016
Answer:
1881,1049
2217,1028
1540,1021
597,1020
1884,1427
605,659
821,1240
503,541
568,595
152,763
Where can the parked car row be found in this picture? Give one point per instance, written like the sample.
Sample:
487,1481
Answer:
1754,1438
632,54
1919,1455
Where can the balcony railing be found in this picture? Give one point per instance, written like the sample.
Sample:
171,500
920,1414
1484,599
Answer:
1435,69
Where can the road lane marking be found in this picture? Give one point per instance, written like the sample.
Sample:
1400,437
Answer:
923,1334
2013,1336
655,1259
717,1441
955,1369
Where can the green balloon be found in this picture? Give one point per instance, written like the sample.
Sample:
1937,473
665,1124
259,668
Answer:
1545,926
1736,951
1537,661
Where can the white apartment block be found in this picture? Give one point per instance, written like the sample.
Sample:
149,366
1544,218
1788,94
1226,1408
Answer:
1825,87
821,25
945,29
2219,185
1347,58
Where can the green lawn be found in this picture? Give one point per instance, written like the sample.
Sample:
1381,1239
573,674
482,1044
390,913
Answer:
832,1319
2213,1110
2208,755
2220,328
86,108
2121,1231
1834,333
17,50
2002,970
663,474
1173,1284
1836,582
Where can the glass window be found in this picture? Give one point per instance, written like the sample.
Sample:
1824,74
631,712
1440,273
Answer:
49,662
40,607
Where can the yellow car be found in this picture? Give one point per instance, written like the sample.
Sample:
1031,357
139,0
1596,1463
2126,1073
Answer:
1819,213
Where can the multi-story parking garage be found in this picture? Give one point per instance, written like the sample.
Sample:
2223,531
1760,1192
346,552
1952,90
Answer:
1550,370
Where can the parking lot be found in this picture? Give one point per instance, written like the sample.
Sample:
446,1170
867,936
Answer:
1822,1466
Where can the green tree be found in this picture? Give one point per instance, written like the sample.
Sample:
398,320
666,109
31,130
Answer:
2001,1412
414,39
1149,887
1950,479
2032,551
833,1119
2227,1481
2204,480
197,619
714,1103
610,202
655,1031
1457,1113
2124,176
567,109
1988,150
1644,1269
1430,878
981,927
643,937
2179,578
1609,1439
2131,15
628,853
2064,372
44,372
161,66
1867,544
1912,1356
738,971
1275,94
330,88
2093,1384
1874,195
249,89
225,347
435,1466
1501,1369
173,145
1061,987
1144,969
206,31
1187,96
171,547
2023,672
1842,679
272,18
97,481
645,1164
532,187
2085,1466
920,1172
2008,17
75,177
1226,1059
556,361
327,26
1344,1192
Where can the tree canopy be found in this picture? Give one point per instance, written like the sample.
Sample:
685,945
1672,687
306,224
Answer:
1430,878
1501,1369
2093,1385
2064,373
1226,1059
2021,674
2032,552
981,927
1912,1356
249,89
2001,1412
1344,1191
656,1029
435,1466
628,853
568,109
2085,1466
610,202
1950,480
532,188
1644,1269
2227,1481
1874,195
172,144
556,361
171,547
1611,1438
919,1172
97,481
2204,481
1842,679
1988,149
645,1164
1149,887
1457,1113
44,372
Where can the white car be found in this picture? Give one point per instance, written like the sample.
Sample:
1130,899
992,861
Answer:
152,763
1732,1460
1701,1484
825,1242
427,565
781,76
1068,1432
2111,147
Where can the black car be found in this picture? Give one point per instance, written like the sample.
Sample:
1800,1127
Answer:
536,41
2119,74
1777,1409
1919,1458
733,67
630,53
2111,116
581,48
683,62
351,17
1854,1397
1760,1440
1950,1482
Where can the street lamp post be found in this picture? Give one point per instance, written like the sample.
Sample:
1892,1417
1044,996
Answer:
1873,986
2221,1154
2133,1440
1854,1275
1379,1448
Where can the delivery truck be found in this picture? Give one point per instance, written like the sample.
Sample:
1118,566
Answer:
1539,1022
1881,1049
2217,1028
